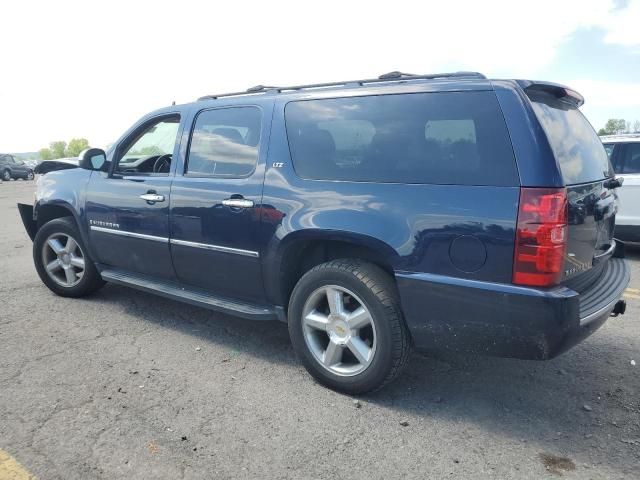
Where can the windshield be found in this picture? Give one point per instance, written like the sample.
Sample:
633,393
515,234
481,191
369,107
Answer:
576,146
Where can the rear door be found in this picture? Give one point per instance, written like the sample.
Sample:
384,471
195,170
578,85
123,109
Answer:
585,169
216,202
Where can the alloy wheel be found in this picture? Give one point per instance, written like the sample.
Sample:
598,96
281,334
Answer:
63,259
339,330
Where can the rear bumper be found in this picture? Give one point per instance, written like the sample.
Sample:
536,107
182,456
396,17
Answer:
445,313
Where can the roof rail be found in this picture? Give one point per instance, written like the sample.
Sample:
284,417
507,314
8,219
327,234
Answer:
394,76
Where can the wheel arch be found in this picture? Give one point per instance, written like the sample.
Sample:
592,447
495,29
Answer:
300,251
45,212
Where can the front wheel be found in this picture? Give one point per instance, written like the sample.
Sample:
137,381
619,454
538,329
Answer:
30,175
347,327
61,260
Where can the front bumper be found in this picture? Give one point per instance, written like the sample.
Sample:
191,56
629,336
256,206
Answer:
26,214
446,313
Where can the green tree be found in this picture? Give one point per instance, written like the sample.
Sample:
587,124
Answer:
636,126
58,149
615,126
45,154
76,145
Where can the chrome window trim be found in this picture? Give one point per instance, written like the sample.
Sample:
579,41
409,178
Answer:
216,248
124,233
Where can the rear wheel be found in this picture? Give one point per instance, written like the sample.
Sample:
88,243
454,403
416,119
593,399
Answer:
61,260
6,175
347,327
30,175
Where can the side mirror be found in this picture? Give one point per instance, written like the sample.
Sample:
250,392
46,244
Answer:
92,159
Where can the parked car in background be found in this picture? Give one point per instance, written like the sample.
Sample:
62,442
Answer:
624,153
444,211
10,167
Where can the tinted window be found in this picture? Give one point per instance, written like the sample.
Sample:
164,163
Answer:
440,138
608,147
225,142
575,144
631,159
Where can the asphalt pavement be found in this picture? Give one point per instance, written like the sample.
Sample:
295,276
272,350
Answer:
129,385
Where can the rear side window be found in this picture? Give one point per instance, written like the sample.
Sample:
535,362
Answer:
455,138
578,149
224,142
630,162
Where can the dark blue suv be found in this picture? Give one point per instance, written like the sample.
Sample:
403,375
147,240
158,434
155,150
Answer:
440,211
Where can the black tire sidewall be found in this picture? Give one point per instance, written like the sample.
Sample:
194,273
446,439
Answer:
91,277
4,175
382,362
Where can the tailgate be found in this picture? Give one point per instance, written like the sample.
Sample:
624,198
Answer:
587,175
592,211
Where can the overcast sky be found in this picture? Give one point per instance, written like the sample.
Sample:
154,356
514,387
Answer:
90,69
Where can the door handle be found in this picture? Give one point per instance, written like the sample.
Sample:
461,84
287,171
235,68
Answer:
152,197
237,203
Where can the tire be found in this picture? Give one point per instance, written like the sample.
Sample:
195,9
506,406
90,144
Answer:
67,278
384,344
6,175
29,175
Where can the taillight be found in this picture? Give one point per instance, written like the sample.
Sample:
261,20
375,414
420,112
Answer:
541,237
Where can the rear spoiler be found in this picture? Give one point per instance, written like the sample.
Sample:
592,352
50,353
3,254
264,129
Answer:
558,91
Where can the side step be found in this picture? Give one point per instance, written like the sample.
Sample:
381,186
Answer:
190,295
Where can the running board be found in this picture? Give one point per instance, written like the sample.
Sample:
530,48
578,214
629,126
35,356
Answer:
189,295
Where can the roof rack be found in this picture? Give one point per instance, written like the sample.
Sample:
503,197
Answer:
394,76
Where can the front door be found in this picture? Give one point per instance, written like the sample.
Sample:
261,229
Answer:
127,209
215,203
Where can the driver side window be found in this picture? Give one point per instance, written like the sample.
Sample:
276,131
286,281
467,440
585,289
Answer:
150,151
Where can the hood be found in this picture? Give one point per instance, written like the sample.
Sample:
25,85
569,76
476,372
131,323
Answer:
47,166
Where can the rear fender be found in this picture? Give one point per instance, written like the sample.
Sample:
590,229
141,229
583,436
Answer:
276,252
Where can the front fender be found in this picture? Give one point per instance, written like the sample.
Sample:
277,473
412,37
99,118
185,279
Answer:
63,189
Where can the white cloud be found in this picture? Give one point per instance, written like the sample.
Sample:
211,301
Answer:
90,69
623,26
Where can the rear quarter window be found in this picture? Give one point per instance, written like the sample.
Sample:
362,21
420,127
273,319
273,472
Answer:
578,150
457,138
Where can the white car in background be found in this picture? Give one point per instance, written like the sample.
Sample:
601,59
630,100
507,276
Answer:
624,153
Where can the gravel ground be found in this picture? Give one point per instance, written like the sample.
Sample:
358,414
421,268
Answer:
129,385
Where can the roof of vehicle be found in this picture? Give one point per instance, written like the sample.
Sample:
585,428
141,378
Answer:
621,138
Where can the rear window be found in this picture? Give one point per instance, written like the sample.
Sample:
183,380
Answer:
578,149
437,138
